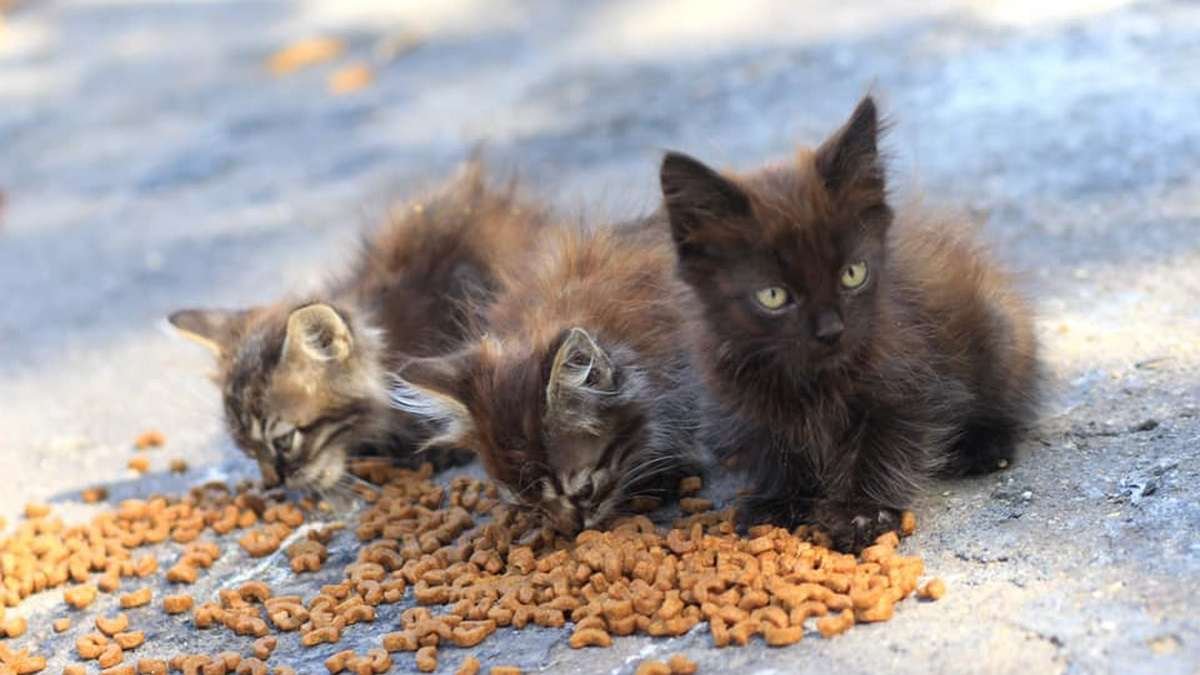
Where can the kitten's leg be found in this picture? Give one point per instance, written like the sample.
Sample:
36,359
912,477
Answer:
783,488
985,446
885,463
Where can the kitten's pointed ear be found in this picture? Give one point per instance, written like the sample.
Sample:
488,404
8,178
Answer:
849,161
579,364
317,333
697,197
211,328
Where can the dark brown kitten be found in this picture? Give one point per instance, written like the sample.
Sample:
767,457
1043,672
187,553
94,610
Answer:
306,382
854,354
580,396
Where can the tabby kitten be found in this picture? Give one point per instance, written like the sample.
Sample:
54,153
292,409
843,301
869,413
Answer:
306,382
580,395
853,357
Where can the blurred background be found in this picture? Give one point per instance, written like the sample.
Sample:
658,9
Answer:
162,154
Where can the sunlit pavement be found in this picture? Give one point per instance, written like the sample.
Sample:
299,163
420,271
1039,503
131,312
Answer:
150,160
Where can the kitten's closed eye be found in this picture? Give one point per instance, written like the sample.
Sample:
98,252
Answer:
283,443
854,275
772,297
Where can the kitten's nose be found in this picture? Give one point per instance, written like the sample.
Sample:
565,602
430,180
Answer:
829,327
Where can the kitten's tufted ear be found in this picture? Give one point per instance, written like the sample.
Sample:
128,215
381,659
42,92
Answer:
317,333
212,328
580,363
849,161
700,202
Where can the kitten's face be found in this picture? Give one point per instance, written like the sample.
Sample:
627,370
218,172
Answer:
787,261
299,389
559,432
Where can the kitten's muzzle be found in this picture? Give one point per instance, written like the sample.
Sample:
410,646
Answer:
567,520
828,327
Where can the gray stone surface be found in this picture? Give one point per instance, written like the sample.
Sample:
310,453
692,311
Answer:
148,161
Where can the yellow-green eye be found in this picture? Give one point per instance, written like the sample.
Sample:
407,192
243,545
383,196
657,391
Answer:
772,297
854,275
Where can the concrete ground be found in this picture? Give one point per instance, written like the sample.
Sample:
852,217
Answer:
149,161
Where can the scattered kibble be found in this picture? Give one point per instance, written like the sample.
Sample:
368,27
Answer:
93,495
350,79
139,464
934,589
138,598
149,439
304,53
469,577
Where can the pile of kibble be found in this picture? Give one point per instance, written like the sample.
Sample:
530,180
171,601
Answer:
473,566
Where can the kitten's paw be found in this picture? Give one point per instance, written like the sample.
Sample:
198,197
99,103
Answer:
444,458
854,527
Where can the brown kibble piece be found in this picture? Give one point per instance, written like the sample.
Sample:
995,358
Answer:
149,439
182,573
177,604
14,627
934,589
590,637
61,624
178,466
303,54
504,670
328,634
255,591
90,646
152,667
259,543
908,523
139,598
264,646
695,505
643,504
130,639
469,666
780,637
78,669
111,655
36,510
93,495
110,626
427,659
338,662
690,485
139,464
350,78
80,596
681,665
836,624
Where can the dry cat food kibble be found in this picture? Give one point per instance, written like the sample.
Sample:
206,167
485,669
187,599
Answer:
138,598
473,565
94,494
177,604
149,439
139,464
934,589
20,662
470,666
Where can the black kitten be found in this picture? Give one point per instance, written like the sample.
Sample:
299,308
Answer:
854,354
